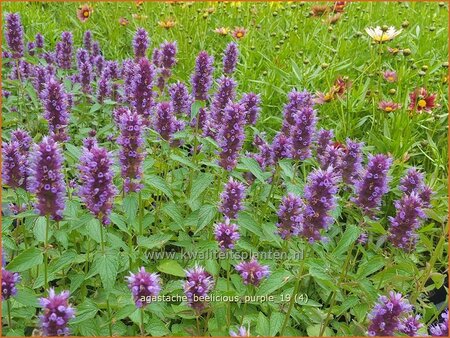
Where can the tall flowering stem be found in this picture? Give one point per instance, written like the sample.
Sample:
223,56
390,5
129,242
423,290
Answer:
320,201
289,216
231,199
373,183
301,133
141,42
251,103
230,58
201,80
56,314
131,154
97,190
64,51
165,122
297,101
351,162
54,100
225,93
181,99
141,89
231,135
14,35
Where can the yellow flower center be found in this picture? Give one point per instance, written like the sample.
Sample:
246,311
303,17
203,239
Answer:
388,109
422,103
239,34
382,38
85,13
391,79
328,97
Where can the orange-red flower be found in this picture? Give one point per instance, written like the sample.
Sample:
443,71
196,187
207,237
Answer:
167,24
239,32
123,21
341,84
388,106
422,101
84,12
338,7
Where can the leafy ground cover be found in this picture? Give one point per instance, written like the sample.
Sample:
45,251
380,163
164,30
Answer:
234,168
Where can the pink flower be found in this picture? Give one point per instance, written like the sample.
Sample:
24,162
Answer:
388,106
422,101
390,76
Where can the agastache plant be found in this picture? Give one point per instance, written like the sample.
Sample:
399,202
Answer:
143,286
97,190
165,122
198,284
201,80
141,42
252,272
14,35
351,162
226,234
387,315
56,314
142,95
301,133
231,199
320,196
231,135
131,154
46,179
289,216
373,183
226,92
14,166
413,182
9,283
230,58
181,99
297,101
54,99
64,51
440,329
251,103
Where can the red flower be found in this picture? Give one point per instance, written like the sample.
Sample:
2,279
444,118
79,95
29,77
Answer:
422,101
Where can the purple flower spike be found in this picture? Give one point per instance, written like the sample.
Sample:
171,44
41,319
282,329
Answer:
39,39
86,77
385,318
230,58
411,325
226,234
31,48
132,152
23,138
64,51
281,148
14,169
140,43
440,329
82,57
144,286
373,183
95,49
142,95
324,139
165,122
251,103
168,54
351,162
54,100
297,101
231,135
56,313
14,35
289,216
9,282
264,157
97,189
157,58
252,272
231,199
413,182
302,133
225,93
406,221
104,88
241,332
46,179
197,286
181,99
320,201
87,41
201,80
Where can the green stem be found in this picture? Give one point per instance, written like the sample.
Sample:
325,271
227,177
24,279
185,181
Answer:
141,326
228,289
102,237
47,226
294,292
9,313
342,276
109,317
141,215
87,255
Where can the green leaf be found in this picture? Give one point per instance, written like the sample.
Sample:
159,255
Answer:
130,207
287,167
157,328
199,185
195,108
173,211
26,260
262,325
93,230
207,214
253,166
370,266
154,241
106,265
246,221
272,283
39,229
159,184
171,268
276,321
86,310
183,160
350,235
314,331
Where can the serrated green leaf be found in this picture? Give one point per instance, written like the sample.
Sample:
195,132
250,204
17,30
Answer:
199,185
171,268
158,183
350,235
154,241
26,260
